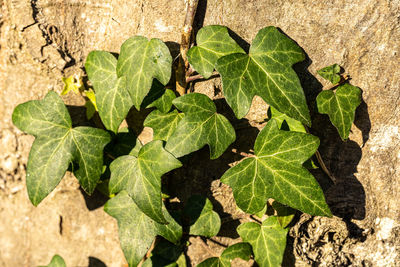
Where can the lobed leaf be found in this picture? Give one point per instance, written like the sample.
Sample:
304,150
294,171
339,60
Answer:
276,172
141,177
57,145
330,73
141,61
267,240
201,125
203,220
266,72
112,98
213,42
340,106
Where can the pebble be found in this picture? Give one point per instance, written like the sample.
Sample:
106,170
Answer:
8,142
9,164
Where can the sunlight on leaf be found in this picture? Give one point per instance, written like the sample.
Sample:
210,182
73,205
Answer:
266,72
276,172
57,144
340,106
201,125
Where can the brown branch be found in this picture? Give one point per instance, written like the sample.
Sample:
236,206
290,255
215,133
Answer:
343,79
148,254
199,77
183,65
324,168
322,163
194,78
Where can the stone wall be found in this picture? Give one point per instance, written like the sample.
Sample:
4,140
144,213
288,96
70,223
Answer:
44,40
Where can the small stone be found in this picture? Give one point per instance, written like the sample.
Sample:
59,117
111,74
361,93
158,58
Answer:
9,164
8,143
16,189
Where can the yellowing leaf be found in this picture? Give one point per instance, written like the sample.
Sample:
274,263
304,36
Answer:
73,83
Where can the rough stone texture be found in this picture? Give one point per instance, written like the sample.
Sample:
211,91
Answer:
43,40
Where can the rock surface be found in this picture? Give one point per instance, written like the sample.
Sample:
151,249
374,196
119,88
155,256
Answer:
44,40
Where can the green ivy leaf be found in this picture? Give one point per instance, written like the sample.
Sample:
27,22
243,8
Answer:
285,214
201,125
266,72
141,177
136,230
276,172
164,103
57,144
340,106
112,98
330,73
284,121
163,124
239,250
268,241
56,261
203,220
140,61
288,124
213,42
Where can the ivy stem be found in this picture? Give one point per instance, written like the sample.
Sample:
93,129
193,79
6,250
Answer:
200,77
148,254
324,168
183,64
322,163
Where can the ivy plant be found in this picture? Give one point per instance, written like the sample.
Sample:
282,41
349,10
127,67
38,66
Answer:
152,230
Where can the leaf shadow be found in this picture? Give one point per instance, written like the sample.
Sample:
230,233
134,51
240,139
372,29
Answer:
94,201
95,262
346,198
